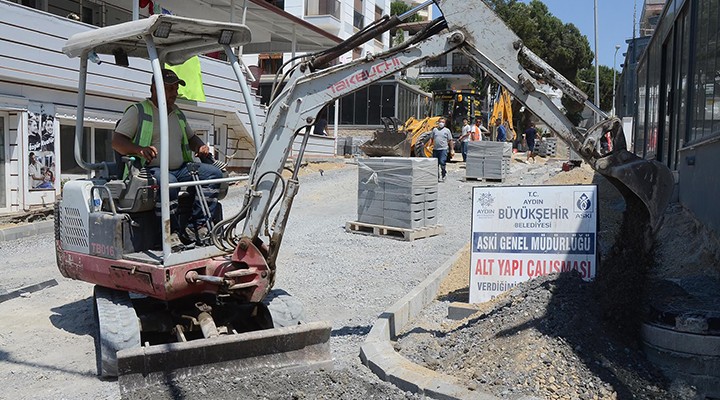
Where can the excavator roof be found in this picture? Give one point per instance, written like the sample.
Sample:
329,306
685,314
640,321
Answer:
176,38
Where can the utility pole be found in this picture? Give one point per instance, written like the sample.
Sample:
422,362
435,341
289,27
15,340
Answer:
612,112
597,67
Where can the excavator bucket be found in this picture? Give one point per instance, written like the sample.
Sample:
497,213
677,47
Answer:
646,185
293,348
399,141
390,141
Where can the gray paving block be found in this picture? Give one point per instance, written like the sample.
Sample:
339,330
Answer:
371,204
445,389
403,206
405,224
406,197
681,342
371,219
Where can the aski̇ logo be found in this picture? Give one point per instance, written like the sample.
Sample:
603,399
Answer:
583,202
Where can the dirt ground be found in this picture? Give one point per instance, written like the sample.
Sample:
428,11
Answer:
554,337
516,330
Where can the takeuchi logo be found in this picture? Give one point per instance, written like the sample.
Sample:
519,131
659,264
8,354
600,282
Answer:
583,203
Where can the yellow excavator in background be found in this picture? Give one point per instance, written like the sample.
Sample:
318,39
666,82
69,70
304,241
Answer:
502,108
401,139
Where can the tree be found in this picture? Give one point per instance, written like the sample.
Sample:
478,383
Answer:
586,82
560,45
429,85
399,8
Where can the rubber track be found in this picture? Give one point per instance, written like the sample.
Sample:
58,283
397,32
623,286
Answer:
118,328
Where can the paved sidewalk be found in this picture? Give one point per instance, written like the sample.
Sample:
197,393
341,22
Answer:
26,230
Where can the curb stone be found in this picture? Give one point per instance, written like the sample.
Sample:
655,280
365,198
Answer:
26,230
378,354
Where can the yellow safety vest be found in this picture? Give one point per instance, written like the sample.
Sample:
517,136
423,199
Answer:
144,131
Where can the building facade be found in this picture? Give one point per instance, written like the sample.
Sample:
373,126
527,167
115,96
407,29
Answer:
38,91
677,117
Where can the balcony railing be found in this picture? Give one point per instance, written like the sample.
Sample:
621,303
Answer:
449,69
322,7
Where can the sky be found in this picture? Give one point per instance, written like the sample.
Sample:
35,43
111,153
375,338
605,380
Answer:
615,23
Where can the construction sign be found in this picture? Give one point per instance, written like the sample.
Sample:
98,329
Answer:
522,232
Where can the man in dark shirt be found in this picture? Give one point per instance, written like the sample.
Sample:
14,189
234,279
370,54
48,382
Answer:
320,125
530,135
501,130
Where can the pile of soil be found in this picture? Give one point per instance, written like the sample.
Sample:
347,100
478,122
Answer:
557,336
275,385
544,338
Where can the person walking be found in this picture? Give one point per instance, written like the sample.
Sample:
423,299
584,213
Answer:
442,143
530,135
465,138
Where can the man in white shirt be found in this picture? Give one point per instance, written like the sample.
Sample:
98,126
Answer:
35,172
465,138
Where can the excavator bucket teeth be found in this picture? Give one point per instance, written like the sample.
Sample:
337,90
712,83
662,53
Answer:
294,348
646,185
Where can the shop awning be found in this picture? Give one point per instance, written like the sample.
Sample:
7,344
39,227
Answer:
275,30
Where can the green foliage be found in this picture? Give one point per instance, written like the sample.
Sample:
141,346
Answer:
606,82
560,45
399,8
430,85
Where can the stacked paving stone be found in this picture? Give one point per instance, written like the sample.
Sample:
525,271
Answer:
398,192
488,160
547,147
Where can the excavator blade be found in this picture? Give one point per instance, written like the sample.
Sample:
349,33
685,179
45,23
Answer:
646,185
294,348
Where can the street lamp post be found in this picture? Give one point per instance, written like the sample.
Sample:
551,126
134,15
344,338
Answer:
597,66
612,112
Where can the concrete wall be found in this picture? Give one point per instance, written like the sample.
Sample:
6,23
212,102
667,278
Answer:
699,183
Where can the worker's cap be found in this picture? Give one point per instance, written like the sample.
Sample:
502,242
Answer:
170,78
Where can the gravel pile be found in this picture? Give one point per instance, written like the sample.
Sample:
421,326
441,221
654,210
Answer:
544,338
319,385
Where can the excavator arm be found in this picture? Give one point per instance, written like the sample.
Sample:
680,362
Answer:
646,185
476,30
306,92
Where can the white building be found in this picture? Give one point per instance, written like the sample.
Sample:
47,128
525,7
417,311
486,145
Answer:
38,87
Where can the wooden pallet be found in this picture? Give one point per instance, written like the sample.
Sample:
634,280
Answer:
480,179
405,234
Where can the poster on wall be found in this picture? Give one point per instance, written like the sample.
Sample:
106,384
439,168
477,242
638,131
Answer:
41,146
519,233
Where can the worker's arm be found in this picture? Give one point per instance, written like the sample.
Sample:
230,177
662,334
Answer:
123,145
198,146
